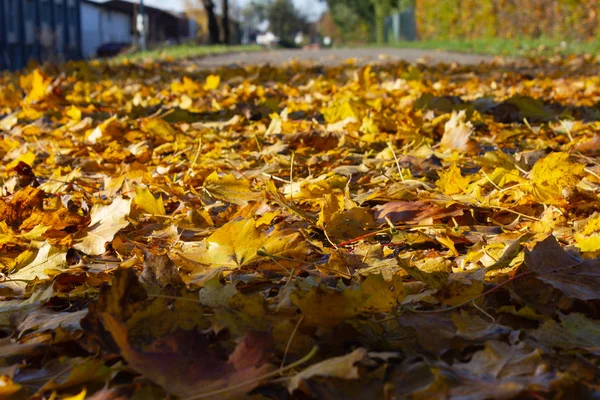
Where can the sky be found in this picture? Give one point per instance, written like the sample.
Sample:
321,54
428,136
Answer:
309,7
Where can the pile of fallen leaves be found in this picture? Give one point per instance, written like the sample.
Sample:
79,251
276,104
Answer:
384,231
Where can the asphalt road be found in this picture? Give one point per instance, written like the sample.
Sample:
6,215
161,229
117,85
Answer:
330,57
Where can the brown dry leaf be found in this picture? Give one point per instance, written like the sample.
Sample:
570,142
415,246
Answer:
501,360
201,216
575,331
411,212
22,204
339,367
13,311
574,277
58,220
322,306
185,365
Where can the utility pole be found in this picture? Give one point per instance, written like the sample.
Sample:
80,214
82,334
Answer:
141,26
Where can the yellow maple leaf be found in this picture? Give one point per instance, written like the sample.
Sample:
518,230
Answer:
451,181
322,306
186,86
331,204
309,189
28,158
369,126
147,202
345,110
239,243
276,125
159,128
588,239
40,85
105,222
553,174
107,129
212,82
228,188
74,113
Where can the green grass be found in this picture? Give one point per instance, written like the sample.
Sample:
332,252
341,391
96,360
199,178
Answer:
183,51
506,47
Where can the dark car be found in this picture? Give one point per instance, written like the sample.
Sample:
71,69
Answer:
112,49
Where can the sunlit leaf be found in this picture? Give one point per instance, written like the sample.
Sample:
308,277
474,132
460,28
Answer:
105,222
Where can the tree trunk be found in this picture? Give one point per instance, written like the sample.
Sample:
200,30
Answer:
380,14
213,24
226,31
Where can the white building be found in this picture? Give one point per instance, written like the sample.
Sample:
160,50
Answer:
101,24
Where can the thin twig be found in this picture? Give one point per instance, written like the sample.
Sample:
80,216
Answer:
303,360
289,343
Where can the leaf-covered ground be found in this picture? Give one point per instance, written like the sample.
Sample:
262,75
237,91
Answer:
384,231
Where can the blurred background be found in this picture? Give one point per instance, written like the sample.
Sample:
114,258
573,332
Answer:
61,30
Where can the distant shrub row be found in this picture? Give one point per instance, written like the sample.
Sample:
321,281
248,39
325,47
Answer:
478,19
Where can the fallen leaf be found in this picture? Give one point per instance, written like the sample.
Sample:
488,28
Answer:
147,202
212,82
500,360
324,306
48,258
457,132
45,320
13,311
452,182
239,243
40,86
22,204
105,222
339,367
574,277
575,331
553,174
197,369
8,387
588,239
228,188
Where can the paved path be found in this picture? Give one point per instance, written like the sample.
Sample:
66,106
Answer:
337,56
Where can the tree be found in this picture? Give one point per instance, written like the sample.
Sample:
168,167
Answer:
225,22
382,10
209,9
404,4
354,18
213,25
285,20
255,12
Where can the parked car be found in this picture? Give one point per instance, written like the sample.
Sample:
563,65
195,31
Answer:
112,49
267,39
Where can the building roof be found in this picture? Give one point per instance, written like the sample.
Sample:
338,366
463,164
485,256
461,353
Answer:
102,4
129,6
